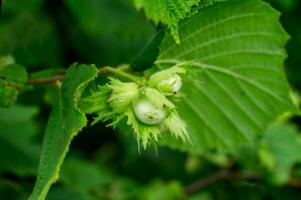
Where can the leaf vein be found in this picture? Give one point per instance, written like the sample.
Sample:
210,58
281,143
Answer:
223,112
201,116
235,17
234,99
221,39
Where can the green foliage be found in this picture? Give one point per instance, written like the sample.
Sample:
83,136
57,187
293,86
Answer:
8,93
287,4
240,85
279,150
108,29
149,53
169,191
29,34
19,154
275,155
12,79
212,72
84,175
65,121
6,60
169,13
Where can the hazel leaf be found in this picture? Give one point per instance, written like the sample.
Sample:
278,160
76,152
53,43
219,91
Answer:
65,121
240,87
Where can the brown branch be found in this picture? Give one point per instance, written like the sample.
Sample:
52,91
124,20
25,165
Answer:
48,80
54,79
230,175
204,182
294,182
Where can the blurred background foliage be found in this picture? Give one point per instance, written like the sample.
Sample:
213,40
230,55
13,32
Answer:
102,164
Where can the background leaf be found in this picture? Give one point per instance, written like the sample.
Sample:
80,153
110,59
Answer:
29,35
104,32
12,79
149,53
279,150
238,48
65,121
160,190
19,154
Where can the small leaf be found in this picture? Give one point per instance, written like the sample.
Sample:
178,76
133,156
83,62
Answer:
12,79
8,94
6,60
15,74
240,87
65,121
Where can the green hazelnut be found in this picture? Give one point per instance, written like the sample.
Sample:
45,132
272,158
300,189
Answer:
123,94
168,81
171,85
147,113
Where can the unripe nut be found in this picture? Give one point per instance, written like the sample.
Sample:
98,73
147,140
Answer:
122,95
168,81
147,113
171,85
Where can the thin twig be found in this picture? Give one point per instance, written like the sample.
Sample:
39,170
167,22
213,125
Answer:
48,80
101,71
294,182
204,182
230,175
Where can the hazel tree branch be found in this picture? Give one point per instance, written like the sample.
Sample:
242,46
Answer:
119,71
227,174
48,80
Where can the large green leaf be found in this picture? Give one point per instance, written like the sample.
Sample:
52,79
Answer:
65,121
237,47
